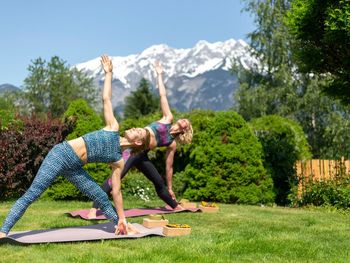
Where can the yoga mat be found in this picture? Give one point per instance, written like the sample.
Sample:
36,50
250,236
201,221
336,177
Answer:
130,212
75,234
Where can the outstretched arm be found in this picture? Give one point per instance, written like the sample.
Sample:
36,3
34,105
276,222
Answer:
110,120
167,115
169,160
117,196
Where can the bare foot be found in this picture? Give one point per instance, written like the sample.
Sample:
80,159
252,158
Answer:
2,235
179,207
92,213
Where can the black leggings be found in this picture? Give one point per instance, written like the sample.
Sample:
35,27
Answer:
144,165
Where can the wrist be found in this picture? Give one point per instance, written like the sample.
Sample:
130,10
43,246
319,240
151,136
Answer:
122,220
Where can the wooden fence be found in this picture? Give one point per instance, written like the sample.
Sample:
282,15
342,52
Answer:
320,170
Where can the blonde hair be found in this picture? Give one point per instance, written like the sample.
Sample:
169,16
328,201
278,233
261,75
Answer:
135,149
186,136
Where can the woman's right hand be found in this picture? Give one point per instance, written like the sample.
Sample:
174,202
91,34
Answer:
106,64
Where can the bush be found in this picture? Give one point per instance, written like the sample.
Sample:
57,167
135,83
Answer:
22,150
82,117
7,118
324,193
226,162
284,142
135,184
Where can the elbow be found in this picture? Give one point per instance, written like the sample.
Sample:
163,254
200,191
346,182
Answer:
106,98
115,192
169,170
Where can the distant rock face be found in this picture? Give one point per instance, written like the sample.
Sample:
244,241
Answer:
8,87
197,77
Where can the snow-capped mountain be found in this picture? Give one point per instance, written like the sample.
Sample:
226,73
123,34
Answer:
197,77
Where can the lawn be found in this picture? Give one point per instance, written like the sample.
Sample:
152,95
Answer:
236,234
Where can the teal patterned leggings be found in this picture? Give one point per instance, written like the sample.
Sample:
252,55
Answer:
61,160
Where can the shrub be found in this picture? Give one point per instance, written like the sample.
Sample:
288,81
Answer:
7,118
226,162
23,148
82,117
284,142
324,193
135,184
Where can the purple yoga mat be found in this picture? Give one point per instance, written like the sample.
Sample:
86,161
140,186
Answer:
75,234
130,212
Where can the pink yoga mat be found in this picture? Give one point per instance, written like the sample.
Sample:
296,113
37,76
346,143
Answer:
75,234
131,212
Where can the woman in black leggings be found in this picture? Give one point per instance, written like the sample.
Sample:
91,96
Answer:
163,133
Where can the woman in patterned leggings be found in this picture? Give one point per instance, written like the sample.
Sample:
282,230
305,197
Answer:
164,133
67,159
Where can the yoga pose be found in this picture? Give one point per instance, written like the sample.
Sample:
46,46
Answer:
163,133
67,159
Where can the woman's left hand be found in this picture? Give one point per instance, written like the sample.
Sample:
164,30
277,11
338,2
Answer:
121,228
158,68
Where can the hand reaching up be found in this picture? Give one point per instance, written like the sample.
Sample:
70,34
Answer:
158,68
106,64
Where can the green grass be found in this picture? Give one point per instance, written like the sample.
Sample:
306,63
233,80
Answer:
235,234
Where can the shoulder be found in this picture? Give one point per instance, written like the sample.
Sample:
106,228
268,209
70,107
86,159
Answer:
118,164
113,128
166,119
172,146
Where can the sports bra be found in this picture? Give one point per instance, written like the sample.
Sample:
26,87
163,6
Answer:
103,146
162,134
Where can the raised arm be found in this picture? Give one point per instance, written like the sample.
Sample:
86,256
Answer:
167,115
110,120
169,160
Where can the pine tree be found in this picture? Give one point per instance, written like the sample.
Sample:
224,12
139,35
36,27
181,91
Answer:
141,101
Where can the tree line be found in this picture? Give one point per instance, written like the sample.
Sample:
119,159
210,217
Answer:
303,73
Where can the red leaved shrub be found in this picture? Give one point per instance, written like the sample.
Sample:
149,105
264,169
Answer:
22,150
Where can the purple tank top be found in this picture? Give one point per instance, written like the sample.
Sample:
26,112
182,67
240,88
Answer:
162,134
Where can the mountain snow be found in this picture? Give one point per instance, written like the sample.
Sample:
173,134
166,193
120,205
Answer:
197,77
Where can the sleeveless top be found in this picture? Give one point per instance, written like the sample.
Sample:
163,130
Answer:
103,146
162,134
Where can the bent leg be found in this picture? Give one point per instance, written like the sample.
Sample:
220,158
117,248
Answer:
148,169
84,182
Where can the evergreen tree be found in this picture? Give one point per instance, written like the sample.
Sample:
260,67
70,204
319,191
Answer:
141,101
51,86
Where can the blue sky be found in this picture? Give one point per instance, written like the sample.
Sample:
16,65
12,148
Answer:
78,31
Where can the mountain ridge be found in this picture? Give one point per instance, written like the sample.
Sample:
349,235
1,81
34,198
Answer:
197,77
